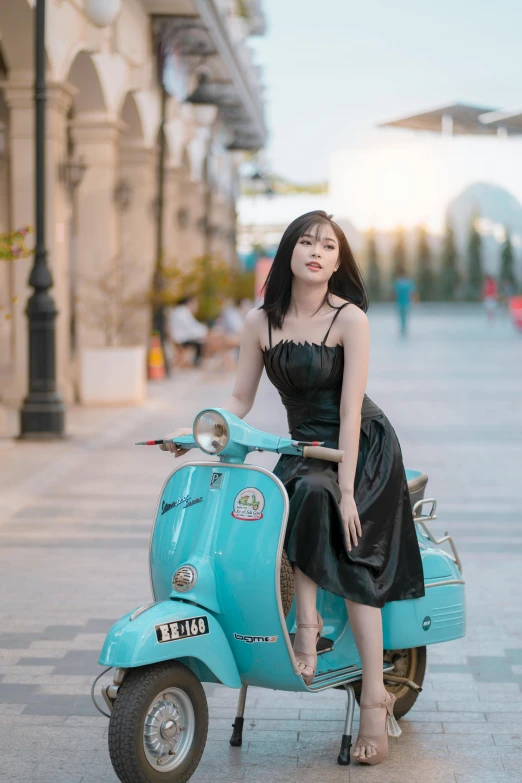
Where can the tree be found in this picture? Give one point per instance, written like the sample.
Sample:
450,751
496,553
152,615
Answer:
425,279
373,272
474,262
449,276
399,254
507,277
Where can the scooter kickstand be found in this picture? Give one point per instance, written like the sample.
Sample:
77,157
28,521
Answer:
237,735
344,754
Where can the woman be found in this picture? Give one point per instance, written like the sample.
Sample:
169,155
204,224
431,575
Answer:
350,527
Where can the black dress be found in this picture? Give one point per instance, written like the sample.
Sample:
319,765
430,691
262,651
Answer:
385,565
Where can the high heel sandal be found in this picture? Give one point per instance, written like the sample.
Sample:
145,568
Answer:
379,741
308,678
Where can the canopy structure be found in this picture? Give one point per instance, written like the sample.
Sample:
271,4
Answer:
461,119
509,121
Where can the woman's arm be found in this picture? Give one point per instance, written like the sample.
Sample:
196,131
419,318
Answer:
249,366
356,341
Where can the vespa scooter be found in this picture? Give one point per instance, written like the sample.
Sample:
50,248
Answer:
223,609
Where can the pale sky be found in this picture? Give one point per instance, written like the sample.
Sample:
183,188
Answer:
334,69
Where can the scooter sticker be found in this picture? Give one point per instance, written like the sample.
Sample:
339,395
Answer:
182,629
251,639
249,505
426,623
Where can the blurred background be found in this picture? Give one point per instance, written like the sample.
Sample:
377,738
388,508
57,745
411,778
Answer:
182,136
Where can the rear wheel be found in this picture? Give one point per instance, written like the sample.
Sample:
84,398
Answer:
158,726
409,663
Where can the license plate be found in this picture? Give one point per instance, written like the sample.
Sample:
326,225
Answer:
182,629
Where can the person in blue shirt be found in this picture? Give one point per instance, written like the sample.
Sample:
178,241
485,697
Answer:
404,288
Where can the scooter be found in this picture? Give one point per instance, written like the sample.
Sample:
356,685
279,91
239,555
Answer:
224,610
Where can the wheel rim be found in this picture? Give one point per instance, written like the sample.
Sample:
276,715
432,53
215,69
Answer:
404,665
168,730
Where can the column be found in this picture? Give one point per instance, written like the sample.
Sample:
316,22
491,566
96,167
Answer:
96,140
19,96
138,220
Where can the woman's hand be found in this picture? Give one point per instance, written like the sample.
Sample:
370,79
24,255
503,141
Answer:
352,524
178,452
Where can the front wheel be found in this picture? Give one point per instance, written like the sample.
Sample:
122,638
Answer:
158,726
409,663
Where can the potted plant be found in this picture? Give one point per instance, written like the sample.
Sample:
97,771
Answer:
112,307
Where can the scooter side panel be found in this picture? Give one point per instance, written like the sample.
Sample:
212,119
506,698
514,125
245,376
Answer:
232,536
132,643
438,617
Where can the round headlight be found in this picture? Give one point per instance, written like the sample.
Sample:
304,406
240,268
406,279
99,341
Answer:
211,432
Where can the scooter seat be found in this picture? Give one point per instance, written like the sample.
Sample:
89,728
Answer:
416,485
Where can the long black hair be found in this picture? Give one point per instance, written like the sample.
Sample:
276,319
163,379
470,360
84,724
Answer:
346,282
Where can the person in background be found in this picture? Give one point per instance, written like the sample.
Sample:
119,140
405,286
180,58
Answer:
185,329
489,297
232,319
404,288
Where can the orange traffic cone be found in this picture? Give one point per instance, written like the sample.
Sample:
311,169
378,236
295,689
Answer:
156,361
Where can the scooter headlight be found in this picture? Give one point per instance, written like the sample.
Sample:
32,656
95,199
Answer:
211,432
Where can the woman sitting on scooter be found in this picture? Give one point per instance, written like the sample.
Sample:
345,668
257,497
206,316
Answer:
350,527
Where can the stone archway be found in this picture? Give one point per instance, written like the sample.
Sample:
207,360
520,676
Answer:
17,31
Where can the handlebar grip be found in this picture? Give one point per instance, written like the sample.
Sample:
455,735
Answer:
163,447
321,452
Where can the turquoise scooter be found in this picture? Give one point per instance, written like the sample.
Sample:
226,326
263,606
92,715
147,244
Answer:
223,608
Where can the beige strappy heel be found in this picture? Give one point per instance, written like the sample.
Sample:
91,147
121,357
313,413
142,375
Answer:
379,741
312,658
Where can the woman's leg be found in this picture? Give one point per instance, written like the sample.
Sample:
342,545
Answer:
306,612
366,624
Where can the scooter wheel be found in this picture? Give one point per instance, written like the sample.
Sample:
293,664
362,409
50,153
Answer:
158,726
410,663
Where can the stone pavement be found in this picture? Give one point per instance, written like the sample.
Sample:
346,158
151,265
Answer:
75,519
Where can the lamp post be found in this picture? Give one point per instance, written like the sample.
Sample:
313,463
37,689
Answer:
43,412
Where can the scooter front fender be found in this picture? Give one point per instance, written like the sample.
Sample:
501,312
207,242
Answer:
152,637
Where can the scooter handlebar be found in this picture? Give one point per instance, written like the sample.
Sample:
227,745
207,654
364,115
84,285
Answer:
321,452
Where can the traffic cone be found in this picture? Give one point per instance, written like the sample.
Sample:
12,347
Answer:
156,360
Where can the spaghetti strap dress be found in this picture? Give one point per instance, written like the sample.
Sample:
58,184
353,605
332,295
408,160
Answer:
386,564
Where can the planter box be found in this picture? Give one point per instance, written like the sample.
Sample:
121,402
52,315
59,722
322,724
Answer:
113,376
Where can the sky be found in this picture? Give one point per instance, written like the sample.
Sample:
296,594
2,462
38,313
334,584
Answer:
335,69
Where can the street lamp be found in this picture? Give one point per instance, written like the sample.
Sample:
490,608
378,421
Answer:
102,13
43,412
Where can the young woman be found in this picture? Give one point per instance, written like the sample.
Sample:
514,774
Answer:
350,527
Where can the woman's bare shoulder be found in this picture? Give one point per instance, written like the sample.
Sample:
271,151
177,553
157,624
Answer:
353,318
353,314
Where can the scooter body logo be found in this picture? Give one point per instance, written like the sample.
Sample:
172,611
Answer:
216,480
426,623
254,639
249,505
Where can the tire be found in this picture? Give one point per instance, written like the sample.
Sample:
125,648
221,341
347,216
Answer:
142,687
408,663
287,584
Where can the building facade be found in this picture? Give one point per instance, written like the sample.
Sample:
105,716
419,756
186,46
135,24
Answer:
104,119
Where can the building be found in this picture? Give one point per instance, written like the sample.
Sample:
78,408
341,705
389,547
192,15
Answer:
456,162
104,111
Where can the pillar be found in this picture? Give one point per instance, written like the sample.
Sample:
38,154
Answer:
96,140
137,222
19,96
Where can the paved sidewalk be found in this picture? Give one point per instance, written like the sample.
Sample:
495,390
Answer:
75,519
